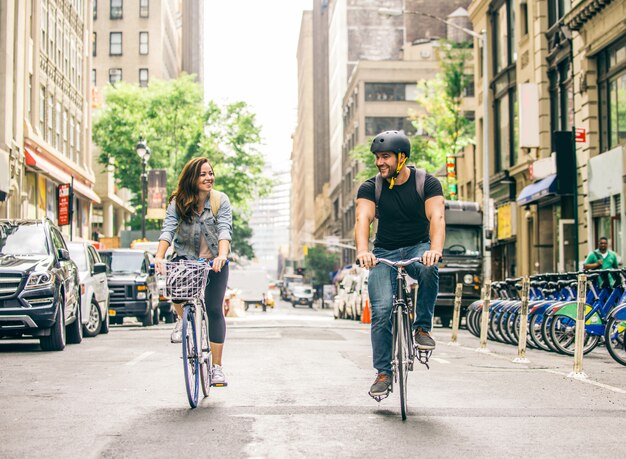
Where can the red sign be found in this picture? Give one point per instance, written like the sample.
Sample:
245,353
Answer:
64,204
581,135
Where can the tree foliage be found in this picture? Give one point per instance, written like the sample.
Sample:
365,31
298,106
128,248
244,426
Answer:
320,264
177,125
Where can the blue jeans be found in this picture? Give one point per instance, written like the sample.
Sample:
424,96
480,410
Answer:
382,287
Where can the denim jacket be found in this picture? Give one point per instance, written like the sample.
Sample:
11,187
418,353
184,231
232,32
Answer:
185,237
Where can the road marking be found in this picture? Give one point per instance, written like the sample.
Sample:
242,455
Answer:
438,360
136,360
588,381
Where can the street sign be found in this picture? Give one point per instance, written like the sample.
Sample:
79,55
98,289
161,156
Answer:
64,204
581,135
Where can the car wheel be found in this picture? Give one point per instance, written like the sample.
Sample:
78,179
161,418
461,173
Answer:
56,340
146,320
168,317
75,329
155,316
104,329
94,324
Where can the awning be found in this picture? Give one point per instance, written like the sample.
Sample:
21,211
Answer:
535,191
38,162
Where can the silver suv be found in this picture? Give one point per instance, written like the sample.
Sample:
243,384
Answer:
302,294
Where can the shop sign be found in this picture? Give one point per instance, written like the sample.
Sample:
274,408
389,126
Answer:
64,211
506,221
581,135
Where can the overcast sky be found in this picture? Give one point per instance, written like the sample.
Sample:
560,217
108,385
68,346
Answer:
250,55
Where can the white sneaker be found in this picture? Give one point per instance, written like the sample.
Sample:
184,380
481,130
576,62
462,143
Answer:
177,333
217,376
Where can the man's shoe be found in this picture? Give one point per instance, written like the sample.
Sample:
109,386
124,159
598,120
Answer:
177,333
423,340
381,386
217,376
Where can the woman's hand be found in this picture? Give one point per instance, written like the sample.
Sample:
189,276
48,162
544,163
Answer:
159,265
218,263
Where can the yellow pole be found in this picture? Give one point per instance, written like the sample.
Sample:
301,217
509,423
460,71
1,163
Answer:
523,323
579,342
484,325
456,318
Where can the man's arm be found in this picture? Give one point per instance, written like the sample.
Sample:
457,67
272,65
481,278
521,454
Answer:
592,262
365,214
435,212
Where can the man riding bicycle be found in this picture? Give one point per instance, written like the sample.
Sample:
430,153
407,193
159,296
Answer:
410,224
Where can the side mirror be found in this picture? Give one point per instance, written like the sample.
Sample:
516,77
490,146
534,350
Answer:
63,254
99,268
151,270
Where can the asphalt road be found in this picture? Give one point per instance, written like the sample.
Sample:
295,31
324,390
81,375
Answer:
298,382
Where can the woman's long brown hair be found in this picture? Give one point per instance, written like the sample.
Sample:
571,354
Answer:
186,193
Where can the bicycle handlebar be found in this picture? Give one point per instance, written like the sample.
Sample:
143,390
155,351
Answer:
403,263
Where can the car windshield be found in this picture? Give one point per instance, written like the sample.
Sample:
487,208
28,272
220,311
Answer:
302,290
462,240
77,253
123,262
22,240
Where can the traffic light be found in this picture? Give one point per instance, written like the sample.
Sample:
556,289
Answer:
300,271
305,250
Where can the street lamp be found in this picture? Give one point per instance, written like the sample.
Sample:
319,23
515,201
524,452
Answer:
144,153
482,38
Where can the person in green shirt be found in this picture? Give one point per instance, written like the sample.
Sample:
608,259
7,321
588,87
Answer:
602,257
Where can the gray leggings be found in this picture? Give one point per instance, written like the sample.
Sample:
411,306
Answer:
214,301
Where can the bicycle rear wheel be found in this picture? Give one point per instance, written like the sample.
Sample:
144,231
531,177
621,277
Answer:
190,356
402,359
206,361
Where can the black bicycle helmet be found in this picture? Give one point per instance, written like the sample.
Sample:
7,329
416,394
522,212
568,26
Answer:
394,141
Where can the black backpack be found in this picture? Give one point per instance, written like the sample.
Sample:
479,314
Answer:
420,178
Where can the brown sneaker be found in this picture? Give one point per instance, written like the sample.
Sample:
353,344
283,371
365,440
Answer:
423,340
381,386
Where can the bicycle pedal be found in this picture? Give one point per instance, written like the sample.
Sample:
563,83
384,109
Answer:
423,356
379,398
219,384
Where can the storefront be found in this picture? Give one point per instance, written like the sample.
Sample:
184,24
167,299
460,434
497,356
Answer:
42,180
504,243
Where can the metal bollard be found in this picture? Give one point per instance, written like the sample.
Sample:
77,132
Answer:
579,342
523,323
484,323
456,317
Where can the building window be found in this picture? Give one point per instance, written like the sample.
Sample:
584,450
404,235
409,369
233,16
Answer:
375,125
144,8
42,111
49,120
115,75
143,78
557,9
44,25
94,41
78,139
386,91
95,9
65,134
503,23
117,8
93,78
612,95
58,125
52,22
561,97
143,42
115,43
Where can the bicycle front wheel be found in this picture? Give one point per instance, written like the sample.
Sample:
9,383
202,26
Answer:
206,361
190,356
615,339
402,358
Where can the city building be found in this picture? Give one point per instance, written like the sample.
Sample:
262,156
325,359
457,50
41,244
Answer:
556,73
270,223
192,39
46,117
132,42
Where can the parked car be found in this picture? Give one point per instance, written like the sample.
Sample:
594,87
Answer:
357,293
94,287
133,286
39,285
302,294
166,308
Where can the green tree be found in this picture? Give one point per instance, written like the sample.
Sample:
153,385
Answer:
320,262
172,117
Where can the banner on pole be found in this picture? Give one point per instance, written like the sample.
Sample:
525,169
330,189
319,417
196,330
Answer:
157,194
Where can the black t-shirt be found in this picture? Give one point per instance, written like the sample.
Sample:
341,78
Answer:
401,212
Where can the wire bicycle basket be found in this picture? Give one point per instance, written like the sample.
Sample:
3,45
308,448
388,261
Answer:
185,279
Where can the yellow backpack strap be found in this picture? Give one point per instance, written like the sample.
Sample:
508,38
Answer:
215,199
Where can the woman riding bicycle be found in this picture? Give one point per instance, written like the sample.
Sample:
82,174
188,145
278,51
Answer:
196,233
410,224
